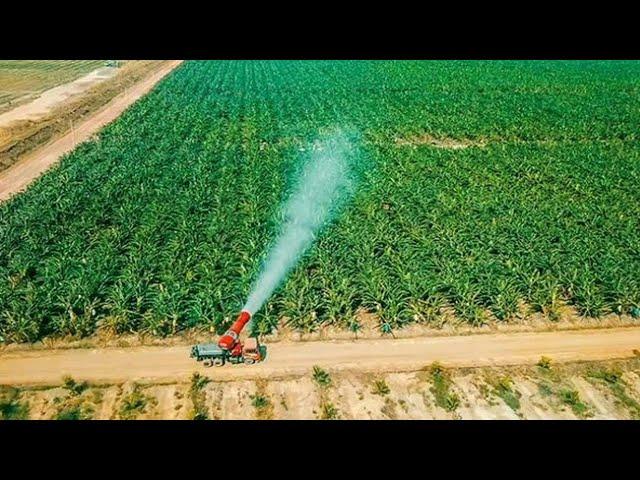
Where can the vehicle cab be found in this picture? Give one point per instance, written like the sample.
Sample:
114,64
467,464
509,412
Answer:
252,350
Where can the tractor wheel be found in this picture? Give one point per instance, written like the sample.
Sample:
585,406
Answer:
218,362
207,363
249,361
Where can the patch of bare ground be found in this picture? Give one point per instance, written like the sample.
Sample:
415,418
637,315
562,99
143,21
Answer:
213,394
481,402
602,408
538,405
23,136
236,400
294,399
23,80
617,384
41,402
354,400
71,401
633,380
47,100
599,390
107,408
172,402
412,397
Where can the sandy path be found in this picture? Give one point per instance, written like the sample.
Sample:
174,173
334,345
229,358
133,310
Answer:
53,97
170,364
19,175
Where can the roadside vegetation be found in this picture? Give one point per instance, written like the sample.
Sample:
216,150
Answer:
572,399
328,411
321,377
553,383
198,397
380,387
79,403
135,403
261,402
606,389
502,387
442,388
611,379
11,406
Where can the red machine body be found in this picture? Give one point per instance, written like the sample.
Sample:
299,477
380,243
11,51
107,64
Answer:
232,336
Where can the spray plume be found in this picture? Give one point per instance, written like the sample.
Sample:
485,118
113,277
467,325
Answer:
326,181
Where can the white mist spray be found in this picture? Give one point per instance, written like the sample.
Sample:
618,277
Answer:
325,182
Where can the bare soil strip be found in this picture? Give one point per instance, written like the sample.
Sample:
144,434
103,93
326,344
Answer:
17,177
55,96
285,359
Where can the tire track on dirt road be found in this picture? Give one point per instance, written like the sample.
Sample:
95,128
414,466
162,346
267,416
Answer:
172,364
18,176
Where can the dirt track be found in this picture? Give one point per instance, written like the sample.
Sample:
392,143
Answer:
18,176
171,364
49,99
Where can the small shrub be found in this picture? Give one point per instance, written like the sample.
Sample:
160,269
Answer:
259,401
263,407
321,377
610,376
72,412
133,404
545,389
74,408
74,387
503,388
10,406
544,363
381,388
441,388
572,399
198,382
328,411
198,396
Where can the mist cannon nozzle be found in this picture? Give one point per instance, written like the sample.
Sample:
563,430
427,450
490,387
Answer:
231,336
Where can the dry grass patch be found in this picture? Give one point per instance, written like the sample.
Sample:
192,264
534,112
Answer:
447,143
261,401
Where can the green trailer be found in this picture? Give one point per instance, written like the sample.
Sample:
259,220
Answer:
210,354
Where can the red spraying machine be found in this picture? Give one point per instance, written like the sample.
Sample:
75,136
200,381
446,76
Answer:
230,348
231,338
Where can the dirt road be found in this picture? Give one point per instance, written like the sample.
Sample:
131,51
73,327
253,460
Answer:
18,176
49,99
171,364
